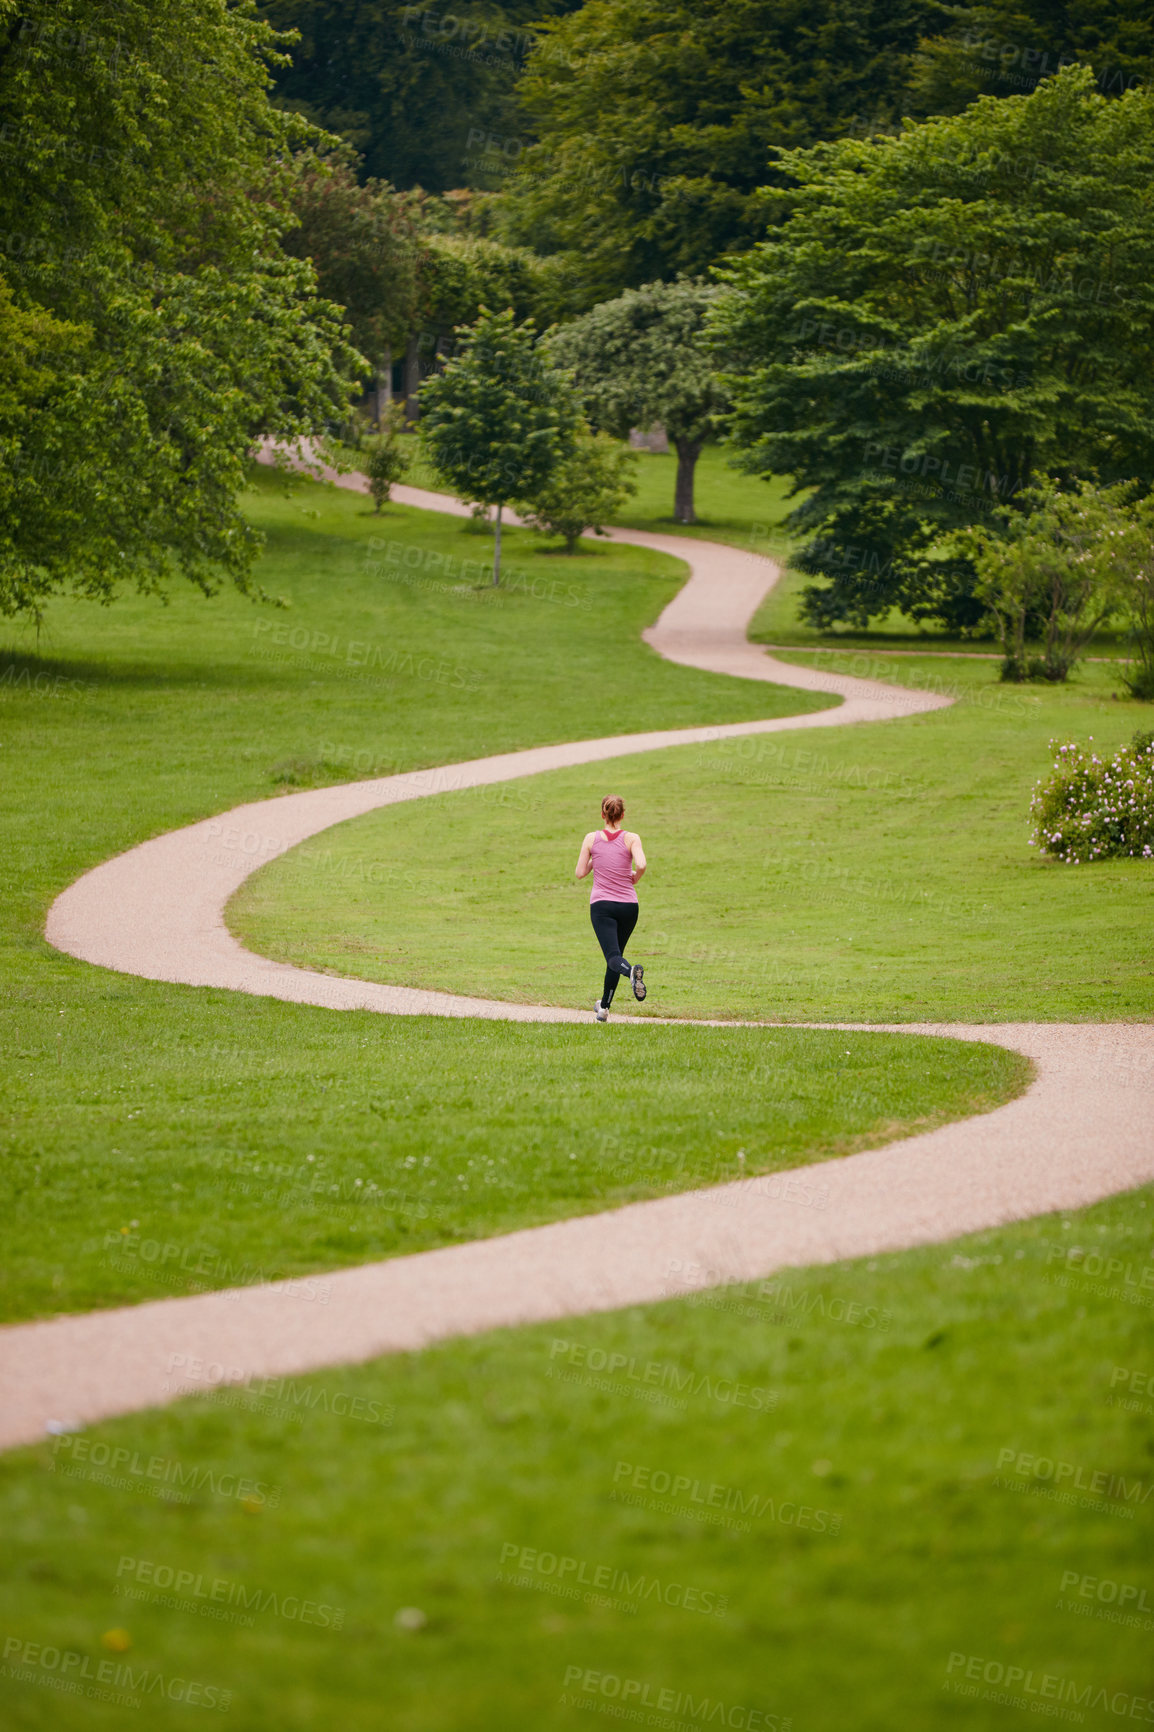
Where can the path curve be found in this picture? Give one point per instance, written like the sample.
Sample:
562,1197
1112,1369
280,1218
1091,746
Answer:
158,911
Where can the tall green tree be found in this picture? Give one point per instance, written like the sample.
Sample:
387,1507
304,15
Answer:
499,416
944,316
655,122
1006,47
416,88
646,358
142,212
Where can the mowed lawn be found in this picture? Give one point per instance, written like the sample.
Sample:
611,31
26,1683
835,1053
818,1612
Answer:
158,1139
880,873
398,1544
829,1500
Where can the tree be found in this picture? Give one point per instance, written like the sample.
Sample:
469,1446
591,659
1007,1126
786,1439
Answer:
458,275
645,358
498,418
944,316
414,87
1006,47
142,215
587,489
656,120
364,245
388,460
1048,570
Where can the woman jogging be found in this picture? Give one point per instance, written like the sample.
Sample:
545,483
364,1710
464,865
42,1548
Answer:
617,860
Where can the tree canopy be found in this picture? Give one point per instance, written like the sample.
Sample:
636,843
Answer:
655,121
944,316
645,358
142,212
415,88
364,244
1006,47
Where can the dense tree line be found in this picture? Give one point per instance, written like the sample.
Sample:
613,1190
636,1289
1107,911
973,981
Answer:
906,200
152,323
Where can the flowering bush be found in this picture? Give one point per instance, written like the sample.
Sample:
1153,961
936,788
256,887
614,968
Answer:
1096,809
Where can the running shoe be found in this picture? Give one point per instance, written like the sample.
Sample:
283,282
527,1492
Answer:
600,1012
637,981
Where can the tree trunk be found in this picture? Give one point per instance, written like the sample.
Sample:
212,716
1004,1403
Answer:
412,380
497,550
384,383
688,451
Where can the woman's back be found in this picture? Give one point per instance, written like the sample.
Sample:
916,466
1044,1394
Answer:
612,853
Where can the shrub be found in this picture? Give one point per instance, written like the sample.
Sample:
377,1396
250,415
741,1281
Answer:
586,489
1048,569
388,460
1092,808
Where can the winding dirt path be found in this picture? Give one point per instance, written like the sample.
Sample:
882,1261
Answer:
157,911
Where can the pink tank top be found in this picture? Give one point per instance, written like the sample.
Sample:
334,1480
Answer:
612,864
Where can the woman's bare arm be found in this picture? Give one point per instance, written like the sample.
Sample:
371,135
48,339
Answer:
585,858
639,861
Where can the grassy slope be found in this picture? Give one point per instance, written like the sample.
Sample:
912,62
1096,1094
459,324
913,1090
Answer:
146,1126
879,873
892,1416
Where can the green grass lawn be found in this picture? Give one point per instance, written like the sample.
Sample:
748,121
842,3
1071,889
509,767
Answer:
881,872
145,1126
874,1435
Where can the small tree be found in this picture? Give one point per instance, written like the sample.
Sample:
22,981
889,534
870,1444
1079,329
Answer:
388,460
495,422
587,488
1051,571
645,358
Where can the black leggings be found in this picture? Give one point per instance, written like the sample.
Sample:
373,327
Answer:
613,922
